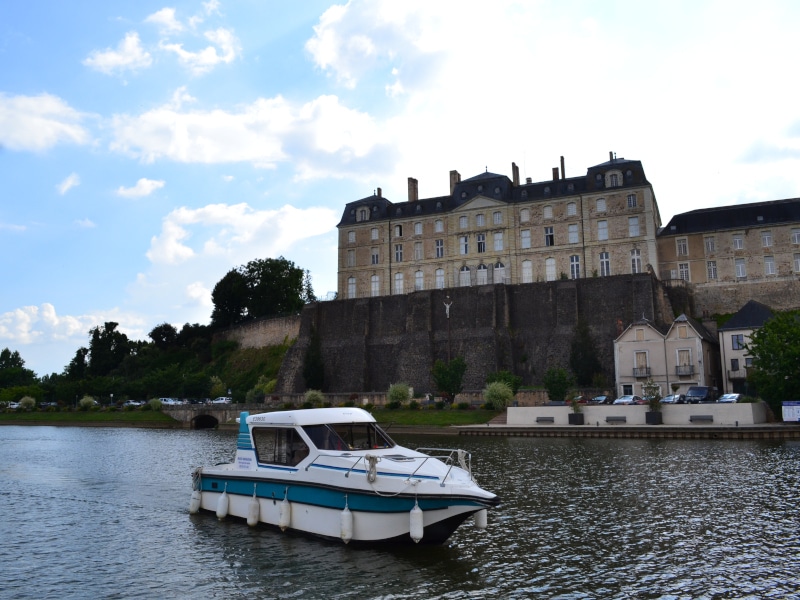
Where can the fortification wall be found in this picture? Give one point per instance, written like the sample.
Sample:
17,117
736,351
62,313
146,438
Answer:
728,297
264,332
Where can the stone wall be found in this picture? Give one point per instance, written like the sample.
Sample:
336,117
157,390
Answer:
264,332
370,343
728,297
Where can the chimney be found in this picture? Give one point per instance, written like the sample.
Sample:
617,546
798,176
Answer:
563,174
610,155
515,174
455,179
413,189
555,173
380,193
528,180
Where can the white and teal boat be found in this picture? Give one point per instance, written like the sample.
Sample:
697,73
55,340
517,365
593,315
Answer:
334,473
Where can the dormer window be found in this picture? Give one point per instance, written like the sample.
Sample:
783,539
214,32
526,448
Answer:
463,194
547,190
613,179
399,211
363,214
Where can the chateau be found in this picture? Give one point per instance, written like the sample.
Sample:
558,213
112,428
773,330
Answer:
492,229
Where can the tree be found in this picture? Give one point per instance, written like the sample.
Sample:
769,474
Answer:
775,349
557,382
78,367
163,336
107,349
230,297
583,355
13,371
308,291
449,377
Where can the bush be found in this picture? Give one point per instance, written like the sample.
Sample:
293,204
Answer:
394,405
462,405
154,404
27,403
86,403
498,395
314,397
399,392
413,405
511,380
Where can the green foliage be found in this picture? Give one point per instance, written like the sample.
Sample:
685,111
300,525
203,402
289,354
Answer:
498,395
314,397
775,349
583,358
218,387
512,381
413,405
557,382
107,349
313,367
263,388
86,403
449,377
398,392
12,370
154,404
652,394
27,403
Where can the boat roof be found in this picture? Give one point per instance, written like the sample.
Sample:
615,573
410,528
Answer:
312,416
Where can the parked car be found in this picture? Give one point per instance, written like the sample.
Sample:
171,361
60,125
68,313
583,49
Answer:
170,401
601,399
630,400
13,405
221,400
133,403
674,399
729,398
701,393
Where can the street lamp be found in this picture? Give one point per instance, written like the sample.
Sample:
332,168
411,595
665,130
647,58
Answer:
447,304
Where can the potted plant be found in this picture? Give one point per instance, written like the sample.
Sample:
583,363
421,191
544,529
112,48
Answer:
652,393
576,416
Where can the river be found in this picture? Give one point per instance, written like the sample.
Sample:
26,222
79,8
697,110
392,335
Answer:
103,513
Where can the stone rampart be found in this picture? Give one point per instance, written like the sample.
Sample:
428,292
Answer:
264,332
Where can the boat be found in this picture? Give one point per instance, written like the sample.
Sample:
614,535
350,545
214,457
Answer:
334,473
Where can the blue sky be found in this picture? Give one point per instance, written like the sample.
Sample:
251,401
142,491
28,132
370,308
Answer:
147,148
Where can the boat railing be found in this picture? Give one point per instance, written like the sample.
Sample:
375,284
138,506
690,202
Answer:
451,457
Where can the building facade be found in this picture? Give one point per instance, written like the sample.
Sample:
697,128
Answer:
493,229
734,336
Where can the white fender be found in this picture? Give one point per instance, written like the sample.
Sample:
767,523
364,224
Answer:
285,517
481,519
253,511
194,503
347,525
222,504
417,527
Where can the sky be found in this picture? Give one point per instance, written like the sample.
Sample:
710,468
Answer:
149,147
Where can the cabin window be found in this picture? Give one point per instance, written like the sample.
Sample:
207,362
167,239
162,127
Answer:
348,436
278,446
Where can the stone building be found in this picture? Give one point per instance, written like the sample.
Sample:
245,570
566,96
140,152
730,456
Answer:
732,254
491,229
734,336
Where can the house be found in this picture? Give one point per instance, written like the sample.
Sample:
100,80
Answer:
734,336
680,356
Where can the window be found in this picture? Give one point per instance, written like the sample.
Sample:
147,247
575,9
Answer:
439,248
351,237
398,231
462,222
683,332
398,283
439,275
737,341
631,200
600,206
769,265
417,250
525,238
363,214
280,446
683,271
738,242
639,335
572,230
527,271
398,253
499,272
748,362
438,226
796,236
419,281
710,245
574,267
633,226
351,287
483,275
766,239
497,217
481,241
463,244
373,233
605,264
480,220
463,276
636,261
525,216
549,238
627,389
711,269
571,209
740,269
498,240
734,364
682,247
613,180
797,263
375,285
550,269
602,230
351,258
417,228
547,212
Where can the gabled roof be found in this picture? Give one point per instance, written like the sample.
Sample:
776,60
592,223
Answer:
644,322
701,330
751,316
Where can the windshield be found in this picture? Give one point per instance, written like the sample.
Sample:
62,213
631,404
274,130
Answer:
348,436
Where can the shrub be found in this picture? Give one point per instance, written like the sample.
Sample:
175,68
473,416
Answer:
511,380
462,405
440,404
86,403
399,392
413,405
394,405
154,404
27,403
498,395
314,397
307,405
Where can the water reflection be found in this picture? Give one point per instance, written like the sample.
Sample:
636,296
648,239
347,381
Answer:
100,512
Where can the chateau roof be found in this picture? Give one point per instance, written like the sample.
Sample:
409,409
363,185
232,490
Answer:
737,216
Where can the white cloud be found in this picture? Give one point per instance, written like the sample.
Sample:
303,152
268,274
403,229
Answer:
143,187
70,182
37,123
129,56
166,21
85,223
225,49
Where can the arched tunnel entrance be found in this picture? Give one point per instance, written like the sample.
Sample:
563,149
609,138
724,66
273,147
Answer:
204,422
